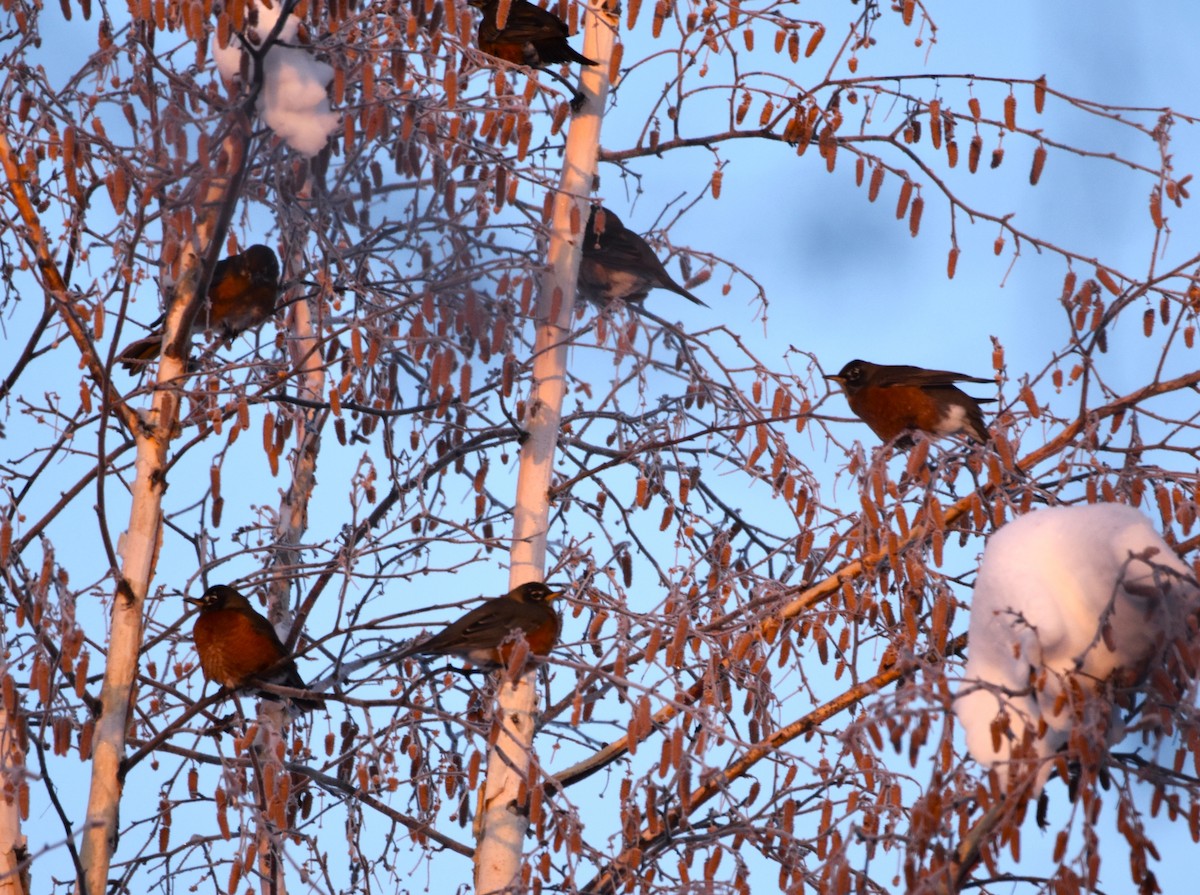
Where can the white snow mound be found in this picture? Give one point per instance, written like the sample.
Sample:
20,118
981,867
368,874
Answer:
294,101
1066,596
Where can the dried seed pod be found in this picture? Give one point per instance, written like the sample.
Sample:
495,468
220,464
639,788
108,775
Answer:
1156,214
935,123
1107,281
974,152
914,216
906,189
814,41
1039,162
876,183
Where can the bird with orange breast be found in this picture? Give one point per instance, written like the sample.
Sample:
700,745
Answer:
239,648
530,36
243,293
897,398
488,635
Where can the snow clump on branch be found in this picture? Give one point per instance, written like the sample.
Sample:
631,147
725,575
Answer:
294,101
1073,606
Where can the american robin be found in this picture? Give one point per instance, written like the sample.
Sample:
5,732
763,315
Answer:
486,635
531,35
242,294
894,398
238,647
617,263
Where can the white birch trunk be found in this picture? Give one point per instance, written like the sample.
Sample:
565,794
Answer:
290,528
139,545
503,821
14,875
139,552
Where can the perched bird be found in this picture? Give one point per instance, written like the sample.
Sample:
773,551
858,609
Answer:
486,635
617,263
531,35
242,294
238,647
894,398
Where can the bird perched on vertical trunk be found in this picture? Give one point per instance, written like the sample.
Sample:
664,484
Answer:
531,35
487,635
892,399
238,647
242,293
617,263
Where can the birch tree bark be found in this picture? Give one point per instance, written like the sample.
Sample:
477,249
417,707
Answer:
14,870
292,523
503,821
141,541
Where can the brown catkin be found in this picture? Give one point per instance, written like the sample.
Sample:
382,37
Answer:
974,152
1039,162
814,41
1107,281
906,189
876,183
914,215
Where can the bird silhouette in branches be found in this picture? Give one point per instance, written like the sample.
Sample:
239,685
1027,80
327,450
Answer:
243,292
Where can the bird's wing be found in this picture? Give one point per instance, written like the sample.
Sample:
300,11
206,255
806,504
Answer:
625,250
529,22
262,626
476,626
950,392
908,375
224,268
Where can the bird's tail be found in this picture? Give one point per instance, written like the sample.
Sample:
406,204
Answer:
689,296
579,58
136,355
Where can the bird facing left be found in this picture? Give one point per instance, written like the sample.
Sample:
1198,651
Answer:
238,647
896,399
242,293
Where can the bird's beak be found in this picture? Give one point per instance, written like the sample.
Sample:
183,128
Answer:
833,377
195,601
